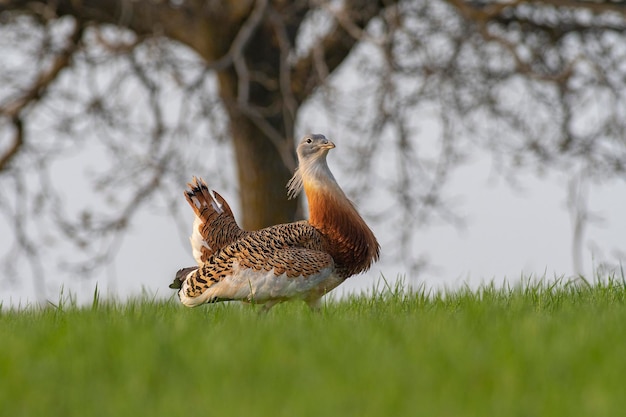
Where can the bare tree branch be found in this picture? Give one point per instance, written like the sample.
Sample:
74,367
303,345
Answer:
14,109
334,47
144,17
18,141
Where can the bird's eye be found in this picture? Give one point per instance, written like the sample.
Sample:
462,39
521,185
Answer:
309,140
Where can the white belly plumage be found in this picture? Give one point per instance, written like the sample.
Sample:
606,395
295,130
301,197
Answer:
261,286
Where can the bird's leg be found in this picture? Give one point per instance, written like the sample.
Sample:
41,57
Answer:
266,307
315,305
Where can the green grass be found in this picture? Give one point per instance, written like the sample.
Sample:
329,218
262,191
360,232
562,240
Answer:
535,349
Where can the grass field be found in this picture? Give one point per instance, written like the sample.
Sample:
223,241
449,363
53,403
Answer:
532,350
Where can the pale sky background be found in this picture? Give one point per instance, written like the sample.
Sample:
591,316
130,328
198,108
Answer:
509,232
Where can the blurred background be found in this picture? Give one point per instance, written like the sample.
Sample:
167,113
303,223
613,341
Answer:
482,141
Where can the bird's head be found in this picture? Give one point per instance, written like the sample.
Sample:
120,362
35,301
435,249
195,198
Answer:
312,151
313,146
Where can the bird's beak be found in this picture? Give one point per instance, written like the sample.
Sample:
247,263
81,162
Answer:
328,145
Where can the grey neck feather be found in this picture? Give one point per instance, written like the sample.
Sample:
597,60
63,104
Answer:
311,168
295,185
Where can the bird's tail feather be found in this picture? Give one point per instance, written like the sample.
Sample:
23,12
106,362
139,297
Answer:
214,226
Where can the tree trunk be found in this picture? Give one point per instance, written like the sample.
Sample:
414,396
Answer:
263,177
261,126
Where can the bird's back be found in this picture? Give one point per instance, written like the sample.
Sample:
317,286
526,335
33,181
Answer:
270,265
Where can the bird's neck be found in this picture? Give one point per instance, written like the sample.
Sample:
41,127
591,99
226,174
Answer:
351,242
328,205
